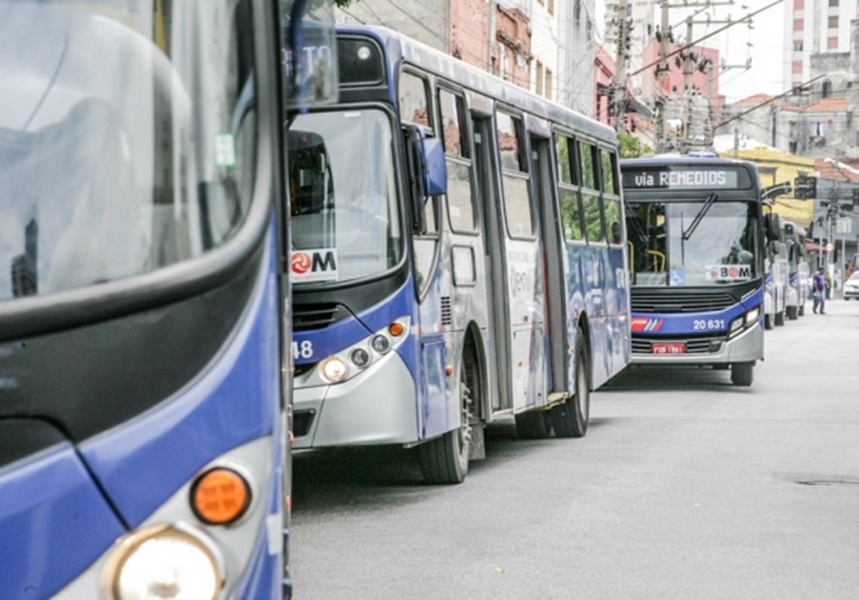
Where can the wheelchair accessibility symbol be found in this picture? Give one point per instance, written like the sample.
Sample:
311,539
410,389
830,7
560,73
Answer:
678,277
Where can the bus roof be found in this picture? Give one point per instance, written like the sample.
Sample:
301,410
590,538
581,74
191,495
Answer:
399,49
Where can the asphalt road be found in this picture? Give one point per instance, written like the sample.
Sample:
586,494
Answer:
684,488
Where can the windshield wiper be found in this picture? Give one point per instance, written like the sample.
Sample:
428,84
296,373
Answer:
708,202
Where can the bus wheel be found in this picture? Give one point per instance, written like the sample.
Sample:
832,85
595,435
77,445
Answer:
570,419
444,460
792,313
533,425
779,319
768,322
742,374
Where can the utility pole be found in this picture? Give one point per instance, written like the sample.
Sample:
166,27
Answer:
689,60
624,25
664,36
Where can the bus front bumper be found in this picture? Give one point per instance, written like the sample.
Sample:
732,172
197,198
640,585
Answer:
748,346
375,407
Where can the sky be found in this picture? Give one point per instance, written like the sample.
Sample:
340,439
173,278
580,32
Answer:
766,38
766,50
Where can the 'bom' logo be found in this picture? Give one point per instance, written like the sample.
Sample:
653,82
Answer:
314,265
301,263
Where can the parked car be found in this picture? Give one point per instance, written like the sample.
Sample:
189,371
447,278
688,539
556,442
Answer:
851,287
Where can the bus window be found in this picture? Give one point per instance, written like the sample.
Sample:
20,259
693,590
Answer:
460,203
414,99
571,213
514,177
611,198
590,194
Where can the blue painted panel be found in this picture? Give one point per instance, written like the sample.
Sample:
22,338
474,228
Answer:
54,523
234,401
330,340
654,324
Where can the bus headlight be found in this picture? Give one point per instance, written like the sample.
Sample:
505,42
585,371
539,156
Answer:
753,315
736,325
380,344
360,357
334,369
165,562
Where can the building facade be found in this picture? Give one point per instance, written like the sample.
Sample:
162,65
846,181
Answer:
815,27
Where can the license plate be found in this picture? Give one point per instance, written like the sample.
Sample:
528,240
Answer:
668,348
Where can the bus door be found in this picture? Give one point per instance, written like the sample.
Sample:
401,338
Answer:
553,265
521,270
493,259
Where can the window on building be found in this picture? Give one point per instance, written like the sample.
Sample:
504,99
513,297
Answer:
833,2
833,22
797,45
832,43
827,89
796,66
538,88
798,4
577,13
798,24
549,85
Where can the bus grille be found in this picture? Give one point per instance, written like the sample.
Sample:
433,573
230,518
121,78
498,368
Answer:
317,316
644,301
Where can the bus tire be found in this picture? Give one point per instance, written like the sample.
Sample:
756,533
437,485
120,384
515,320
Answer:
444,460
533,425
801,311
768,322
570,419
779,319
742,374
792,313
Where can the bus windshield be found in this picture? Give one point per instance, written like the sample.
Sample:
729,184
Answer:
118,168
666,250
345,213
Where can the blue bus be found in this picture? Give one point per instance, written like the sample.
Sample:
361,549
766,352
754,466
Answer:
697,238
459,256
143,311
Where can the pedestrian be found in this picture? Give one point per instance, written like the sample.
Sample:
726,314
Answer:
818,286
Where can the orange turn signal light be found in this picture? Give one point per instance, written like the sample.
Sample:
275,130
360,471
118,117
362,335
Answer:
220,496
396,329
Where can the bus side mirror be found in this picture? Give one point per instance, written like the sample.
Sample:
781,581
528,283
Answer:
434,169
427,173
772,226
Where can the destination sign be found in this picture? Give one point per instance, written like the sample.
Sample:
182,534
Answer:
686,179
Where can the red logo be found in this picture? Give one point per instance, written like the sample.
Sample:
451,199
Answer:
734,272
639,323
301,262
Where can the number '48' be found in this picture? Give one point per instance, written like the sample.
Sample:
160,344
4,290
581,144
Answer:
303,350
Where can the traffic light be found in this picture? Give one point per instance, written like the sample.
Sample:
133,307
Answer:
805,187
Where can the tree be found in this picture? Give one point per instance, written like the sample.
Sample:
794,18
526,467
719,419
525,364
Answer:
631,147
